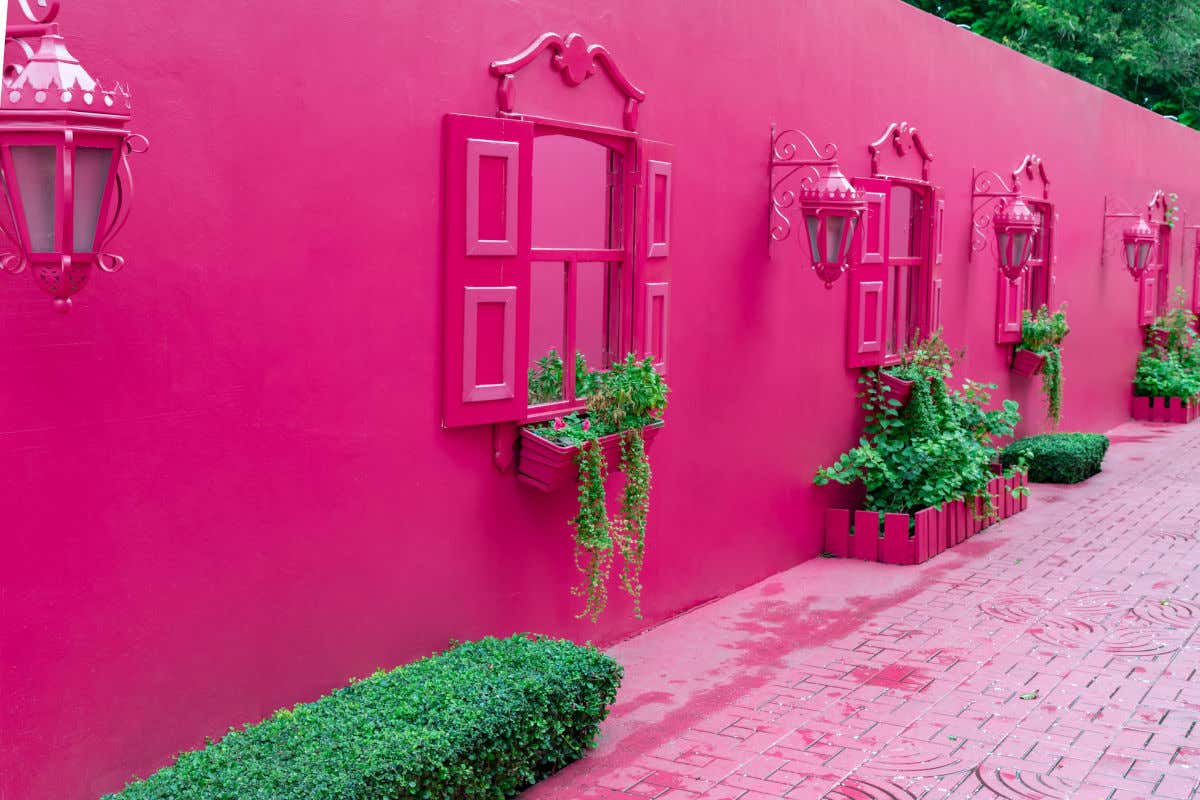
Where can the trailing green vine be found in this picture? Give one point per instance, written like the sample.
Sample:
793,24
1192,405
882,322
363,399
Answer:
623,400
629,529
1043,333
593,542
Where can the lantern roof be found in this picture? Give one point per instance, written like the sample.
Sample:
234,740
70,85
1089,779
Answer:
1140,231
54,80
1016,216
832,187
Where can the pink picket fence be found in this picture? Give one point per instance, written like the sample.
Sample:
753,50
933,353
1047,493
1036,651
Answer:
916,538
1166,409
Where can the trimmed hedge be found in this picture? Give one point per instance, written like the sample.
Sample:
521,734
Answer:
482,720
1058,457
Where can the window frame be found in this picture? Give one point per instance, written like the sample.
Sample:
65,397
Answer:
919,307
619,291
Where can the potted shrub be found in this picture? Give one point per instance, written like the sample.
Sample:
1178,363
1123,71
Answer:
1040,350
927,470
1167,380
624,413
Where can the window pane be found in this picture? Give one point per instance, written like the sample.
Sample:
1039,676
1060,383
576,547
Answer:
547,330
37,172
591,320
91,177
906,223
575,202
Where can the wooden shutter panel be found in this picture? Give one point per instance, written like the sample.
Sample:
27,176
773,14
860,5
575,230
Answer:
1050,226
1148,296
1196,274
866,318
488,165
933,319
652,283
1010,307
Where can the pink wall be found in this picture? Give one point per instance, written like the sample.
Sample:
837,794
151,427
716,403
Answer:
226,484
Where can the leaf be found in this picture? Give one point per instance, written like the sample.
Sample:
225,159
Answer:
1030,695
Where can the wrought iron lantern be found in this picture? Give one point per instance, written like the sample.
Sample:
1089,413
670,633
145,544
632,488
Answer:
1139,239
1016,229
64,170
830,206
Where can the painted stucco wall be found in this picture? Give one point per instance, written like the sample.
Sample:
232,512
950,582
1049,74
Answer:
226,486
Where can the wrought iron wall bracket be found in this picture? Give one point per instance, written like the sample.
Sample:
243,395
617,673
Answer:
990,192
790,169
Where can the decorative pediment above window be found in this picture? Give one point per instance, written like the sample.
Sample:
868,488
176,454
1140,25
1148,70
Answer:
576,61
904,138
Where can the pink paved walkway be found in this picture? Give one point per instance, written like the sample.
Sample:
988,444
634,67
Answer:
1053,656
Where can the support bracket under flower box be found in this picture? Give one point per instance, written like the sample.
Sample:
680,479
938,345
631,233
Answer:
914,539
549,466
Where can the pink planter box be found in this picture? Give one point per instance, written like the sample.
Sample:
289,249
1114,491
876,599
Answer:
1165,409
904,539
901,390
548,466
1027,363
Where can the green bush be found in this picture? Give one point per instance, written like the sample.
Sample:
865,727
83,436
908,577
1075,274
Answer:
1058,457
939,447
485,719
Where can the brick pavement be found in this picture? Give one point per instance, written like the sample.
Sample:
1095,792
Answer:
1055,655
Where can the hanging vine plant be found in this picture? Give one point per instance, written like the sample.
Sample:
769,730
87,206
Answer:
1042,333
629,532
593,543
622,401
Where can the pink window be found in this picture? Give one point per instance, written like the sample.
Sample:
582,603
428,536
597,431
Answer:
895,272
557,262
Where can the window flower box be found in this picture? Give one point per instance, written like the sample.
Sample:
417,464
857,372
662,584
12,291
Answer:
898,388
1027,363
1166,409
914,539
549,466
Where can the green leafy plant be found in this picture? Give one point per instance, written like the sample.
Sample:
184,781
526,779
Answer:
1043,333
1058,457
484,719
593,543
926,358
940,447
1169,366
546,378
623,399
629,530
1143,51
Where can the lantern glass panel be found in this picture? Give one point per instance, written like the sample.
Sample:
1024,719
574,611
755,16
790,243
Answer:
36,168
91,178
1143,254
811,221
1018,250
844,253
1002,238
834,225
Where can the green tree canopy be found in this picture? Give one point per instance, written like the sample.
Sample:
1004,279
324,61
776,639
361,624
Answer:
1147,51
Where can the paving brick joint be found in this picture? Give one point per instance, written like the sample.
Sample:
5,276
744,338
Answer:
1053,656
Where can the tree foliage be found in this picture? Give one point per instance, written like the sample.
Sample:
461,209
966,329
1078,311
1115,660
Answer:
1147,51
